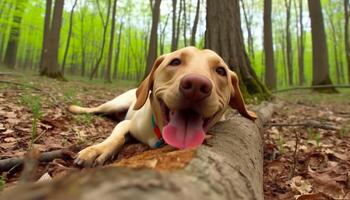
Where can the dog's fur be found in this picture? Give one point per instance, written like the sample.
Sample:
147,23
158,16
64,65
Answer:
161,89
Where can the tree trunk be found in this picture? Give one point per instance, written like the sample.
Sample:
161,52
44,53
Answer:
49,57
178,26
12,45
289,51
111,42
153,42
184,22
248,23
105,26
82,43
230,167
320,74
346,36
195,24
330,18
270,73
173,33
224,36
301,45
117,55
69,36
163,35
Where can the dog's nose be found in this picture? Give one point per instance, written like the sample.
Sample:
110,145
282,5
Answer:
195,87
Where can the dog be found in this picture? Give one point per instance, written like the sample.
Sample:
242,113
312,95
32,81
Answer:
186,93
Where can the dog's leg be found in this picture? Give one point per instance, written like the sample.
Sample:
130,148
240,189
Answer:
99,153
119,104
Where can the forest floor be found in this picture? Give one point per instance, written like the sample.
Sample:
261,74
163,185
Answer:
306,144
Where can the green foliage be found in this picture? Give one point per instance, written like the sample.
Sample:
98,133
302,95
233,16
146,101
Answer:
83,118
2,183
33,103
280,142
314,135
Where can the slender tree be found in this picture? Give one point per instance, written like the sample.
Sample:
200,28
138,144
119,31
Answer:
153,42
69,36
300,43
346,35
184,22
174,33
289,51
12,45
248,22
49,63
320,74
117,54
111,42
105,26
224,36
195,24
270,73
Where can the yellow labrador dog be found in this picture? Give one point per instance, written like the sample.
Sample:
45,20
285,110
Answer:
186,93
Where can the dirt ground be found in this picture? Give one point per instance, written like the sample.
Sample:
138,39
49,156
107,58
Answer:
306,144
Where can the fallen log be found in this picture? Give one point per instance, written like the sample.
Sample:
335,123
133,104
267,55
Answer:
228,167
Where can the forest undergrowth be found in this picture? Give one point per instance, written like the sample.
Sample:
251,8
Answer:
306,144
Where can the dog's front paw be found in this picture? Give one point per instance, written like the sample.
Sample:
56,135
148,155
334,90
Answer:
93,156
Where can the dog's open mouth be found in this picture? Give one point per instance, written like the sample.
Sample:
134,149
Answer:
183,128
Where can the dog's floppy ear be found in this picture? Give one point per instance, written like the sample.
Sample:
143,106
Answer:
237,101
146,85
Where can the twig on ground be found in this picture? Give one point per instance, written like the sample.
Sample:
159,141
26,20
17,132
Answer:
21,84
9,74
30,163
32,87
313,124
9,163
295,154
310,87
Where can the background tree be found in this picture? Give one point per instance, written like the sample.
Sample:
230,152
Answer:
224,36
12,45
153,42
111,42
289,51
51,39
270,74
69,36
104,37
195,24
320,74
346,35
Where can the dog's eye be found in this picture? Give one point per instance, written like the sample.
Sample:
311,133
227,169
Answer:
175,62
221,71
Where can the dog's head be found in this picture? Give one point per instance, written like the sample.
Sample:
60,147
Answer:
190,91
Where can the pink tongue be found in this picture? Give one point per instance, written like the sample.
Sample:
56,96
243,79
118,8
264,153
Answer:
184,130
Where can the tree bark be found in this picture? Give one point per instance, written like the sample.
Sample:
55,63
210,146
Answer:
173,33
224,36
12,45
184,22
270,72
111,42
289,51
69,36
346,36
301,45
195,24
117,54
153,42
105,26
248,22
230,167
49,57
320,74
